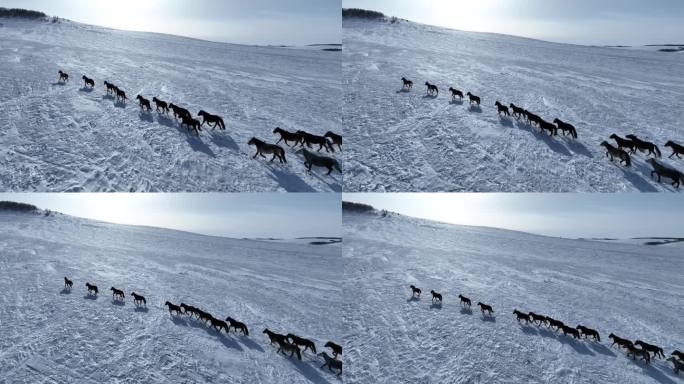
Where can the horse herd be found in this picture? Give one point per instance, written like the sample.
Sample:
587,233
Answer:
289,343
631,142
305,139
644,351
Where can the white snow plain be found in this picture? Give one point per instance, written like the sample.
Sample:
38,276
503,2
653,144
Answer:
63,137
405,141
634,291
55,336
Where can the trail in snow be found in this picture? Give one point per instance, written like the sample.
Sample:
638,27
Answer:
406,141
54,336
634,291
64,137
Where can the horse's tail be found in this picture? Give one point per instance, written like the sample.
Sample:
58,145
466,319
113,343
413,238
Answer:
313,346
246,331
657,150
598,337
574,133
220,119
336,165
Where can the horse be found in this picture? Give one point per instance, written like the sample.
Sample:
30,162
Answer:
263,147
306,343
586,332
436,296
644,146
88,81
209,118
573,331
188,121
173,308
464,300
546,126
521,316
117,293
160,104
677,365
92,288
63,76
431,88
217,324
311,159
408,84
485,307
121,95
634,351
657,351
662,170
331,362
554,323
188,309
622,343
415,291
624,143
144,103
308,139
565,127
274,337
336,348
616,152
68,283
455,92
335,138
179,112
138,299
237,325
473,98
284,346
110,87
676,149
517,111
538,319
501,109
288,136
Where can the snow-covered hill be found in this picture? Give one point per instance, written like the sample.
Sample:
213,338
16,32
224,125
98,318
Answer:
405,141
52,336
634,291
57,137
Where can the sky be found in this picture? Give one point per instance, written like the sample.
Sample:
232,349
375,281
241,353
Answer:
622,215
237,215
587,22
263,22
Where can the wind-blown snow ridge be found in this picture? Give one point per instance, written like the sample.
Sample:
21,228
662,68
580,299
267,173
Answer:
405,141
68,138
52,336
633,291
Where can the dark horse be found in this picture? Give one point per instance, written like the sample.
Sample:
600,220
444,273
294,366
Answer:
209,119
288,136
88,81
501,109
336,348
644,146
237,325
274,337
676,149
144,103
161,105
565,127
473,98
63,76
306,343
335,138
138,299
269,149
92,288
408,84
68,283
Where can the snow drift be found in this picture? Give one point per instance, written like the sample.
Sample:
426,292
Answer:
405,141
50,336
634,291
56,137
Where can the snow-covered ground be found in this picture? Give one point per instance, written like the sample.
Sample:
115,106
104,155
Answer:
52,336
634,291
56,137
405,141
